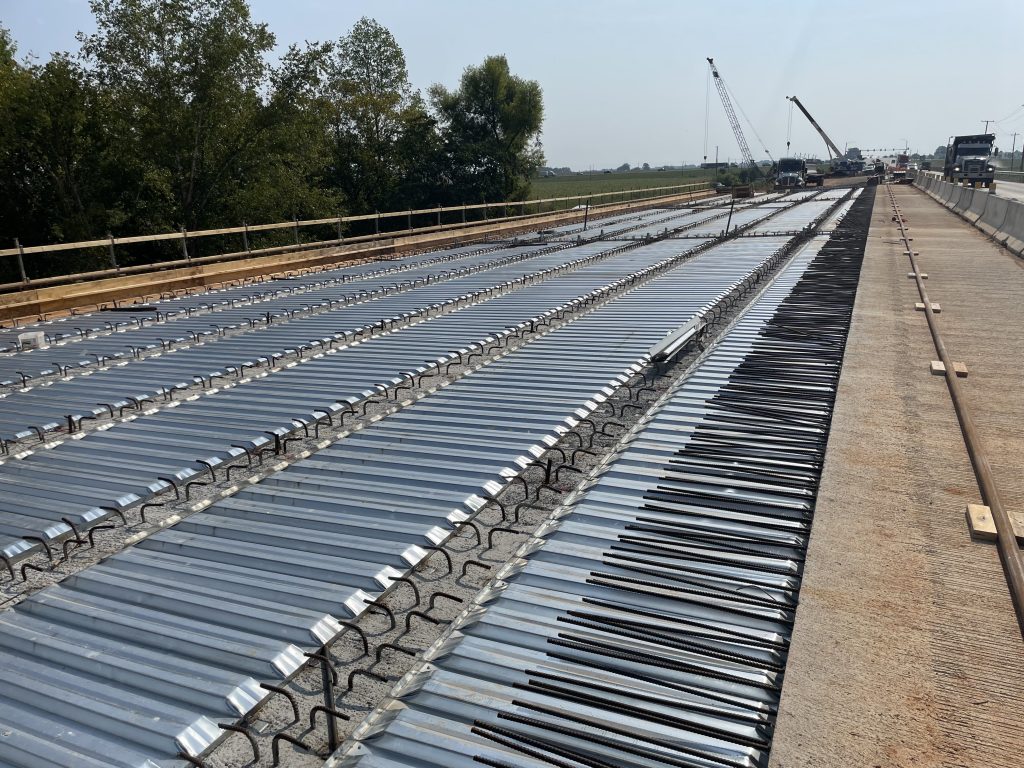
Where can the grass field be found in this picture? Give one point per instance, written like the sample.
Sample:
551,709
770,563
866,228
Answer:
590,184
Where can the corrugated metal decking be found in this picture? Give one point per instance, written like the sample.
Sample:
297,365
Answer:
172,311
176,444
649,625
228,596
34,410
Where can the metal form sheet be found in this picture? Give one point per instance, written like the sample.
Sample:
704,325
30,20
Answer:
178,444
639,226
190,620
175,307
120,338
648,625
32,411
29,411
212,302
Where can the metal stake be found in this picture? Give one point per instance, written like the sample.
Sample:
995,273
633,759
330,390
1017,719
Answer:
21,260
113,258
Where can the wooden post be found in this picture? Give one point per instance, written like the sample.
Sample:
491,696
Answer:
245,237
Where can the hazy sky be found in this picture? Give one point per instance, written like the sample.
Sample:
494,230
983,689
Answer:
625,81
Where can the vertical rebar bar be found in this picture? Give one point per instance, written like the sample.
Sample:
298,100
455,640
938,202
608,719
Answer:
329,703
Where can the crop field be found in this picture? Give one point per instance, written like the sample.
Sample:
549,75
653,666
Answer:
618,181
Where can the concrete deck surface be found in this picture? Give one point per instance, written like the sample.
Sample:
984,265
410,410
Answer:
906,651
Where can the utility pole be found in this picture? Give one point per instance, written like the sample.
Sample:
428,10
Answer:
986,122
1014,150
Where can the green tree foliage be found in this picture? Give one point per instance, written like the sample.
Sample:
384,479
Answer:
171,115
50,147
188,81
490,129
368,86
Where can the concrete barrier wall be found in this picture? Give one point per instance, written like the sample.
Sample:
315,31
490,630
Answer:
1012,232
998,217
991,222
960,198
979,200
946,193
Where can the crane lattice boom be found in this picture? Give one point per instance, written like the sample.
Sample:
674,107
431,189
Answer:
731,114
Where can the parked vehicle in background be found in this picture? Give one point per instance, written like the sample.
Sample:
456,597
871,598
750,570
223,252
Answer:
814,177
968,160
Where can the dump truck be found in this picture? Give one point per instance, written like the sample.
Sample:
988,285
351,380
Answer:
791,173
969,160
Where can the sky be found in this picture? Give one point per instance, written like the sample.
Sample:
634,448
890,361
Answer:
626,81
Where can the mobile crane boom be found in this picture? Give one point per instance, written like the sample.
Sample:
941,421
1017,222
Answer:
831,144
733,120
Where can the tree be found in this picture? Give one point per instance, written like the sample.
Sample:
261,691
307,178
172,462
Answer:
51,151
624,167
186,78
418,153
490,132
368,85
171,115
647,166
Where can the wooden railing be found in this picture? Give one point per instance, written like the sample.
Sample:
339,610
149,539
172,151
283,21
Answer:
341,223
